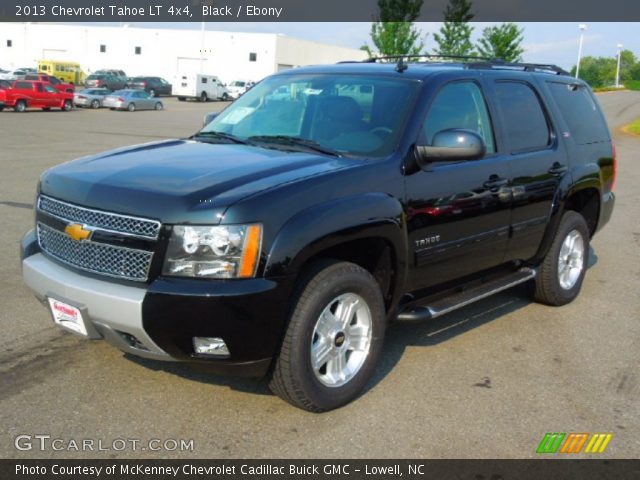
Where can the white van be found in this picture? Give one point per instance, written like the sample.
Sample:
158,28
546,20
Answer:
200,86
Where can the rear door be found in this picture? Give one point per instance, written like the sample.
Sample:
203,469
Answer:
458,212
538,159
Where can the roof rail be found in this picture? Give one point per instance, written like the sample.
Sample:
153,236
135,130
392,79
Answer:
411,57
498,64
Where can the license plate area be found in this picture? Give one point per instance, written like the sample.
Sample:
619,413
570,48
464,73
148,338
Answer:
68,316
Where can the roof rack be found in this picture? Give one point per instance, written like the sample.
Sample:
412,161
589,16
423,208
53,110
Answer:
469,62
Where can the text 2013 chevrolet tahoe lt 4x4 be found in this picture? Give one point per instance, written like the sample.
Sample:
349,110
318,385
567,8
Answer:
283,237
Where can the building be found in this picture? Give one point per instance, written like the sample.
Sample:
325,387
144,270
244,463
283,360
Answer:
163,52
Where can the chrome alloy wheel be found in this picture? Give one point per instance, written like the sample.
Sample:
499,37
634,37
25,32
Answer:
341,340
571,260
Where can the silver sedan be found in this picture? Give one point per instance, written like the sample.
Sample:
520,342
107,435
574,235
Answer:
90,97
132,100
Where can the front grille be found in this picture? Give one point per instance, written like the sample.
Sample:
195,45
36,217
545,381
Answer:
139,227
95,257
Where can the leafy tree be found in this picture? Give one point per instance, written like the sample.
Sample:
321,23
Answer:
502,41
393,32
601,71
455,35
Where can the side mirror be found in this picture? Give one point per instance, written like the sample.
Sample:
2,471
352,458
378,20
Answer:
209,117
452,145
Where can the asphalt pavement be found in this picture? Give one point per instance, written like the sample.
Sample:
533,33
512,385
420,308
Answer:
487,381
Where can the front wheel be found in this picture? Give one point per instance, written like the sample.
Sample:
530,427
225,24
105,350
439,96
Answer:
204,97
333,340
67,105
158,106
95,104
563,269
20,106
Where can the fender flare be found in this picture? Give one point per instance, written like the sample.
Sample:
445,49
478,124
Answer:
338,221
582,177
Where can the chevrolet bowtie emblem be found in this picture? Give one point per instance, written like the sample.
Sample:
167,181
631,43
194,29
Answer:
77,232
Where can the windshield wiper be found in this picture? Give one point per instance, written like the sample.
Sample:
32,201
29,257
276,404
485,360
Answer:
220,135
291,141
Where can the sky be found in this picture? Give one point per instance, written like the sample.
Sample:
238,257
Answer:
548,42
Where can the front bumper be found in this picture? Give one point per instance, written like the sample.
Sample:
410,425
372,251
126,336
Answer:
159,320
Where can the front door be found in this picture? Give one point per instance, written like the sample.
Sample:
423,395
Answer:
458,212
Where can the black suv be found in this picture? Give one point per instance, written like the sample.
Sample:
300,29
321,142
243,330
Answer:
323,204
154,86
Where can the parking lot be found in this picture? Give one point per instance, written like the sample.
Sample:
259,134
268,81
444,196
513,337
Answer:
486,381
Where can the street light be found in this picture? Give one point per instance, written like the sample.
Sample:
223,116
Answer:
618,68
582,28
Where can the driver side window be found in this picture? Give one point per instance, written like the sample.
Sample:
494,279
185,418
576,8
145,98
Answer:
459,105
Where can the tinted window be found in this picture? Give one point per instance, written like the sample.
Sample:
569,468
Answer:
39,87
524,120
24,85
581,113
459,105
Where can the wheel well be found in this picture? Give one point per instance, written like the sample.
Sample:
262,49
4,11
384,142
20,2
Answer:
587,203
376,255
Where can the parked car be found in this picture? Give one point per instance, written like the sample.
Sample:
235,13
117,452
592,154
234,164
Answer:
5,83
200,86
25,94
282,238
90,97
131,100
29,70
154,86
116,73
51,80
107,81
239,87
13,75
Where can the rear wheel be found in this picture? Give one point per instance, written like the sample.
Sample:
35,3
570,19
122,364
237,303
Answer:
67,105
204,97
131,107
20,106
95,104
333,340
181,99
563,269
225,97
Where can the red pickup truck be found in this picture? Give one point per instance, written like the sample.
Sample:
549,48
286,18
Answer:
29,94
51,80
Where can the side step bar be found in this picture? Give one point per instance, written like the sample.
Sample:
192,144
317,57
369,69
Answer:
416,313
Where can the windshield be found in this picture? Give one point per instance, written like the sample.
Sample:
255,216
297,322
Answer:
352,115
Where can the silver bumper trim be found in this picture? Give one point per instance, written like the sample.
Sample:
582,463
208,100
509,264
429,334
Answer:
112,309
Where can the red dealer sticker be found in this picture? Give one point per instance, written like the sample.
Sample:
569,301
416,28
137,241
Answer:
67,316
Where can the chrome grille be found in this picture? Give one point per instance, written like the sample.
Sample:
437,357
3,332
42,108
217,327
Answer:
95,257
139,227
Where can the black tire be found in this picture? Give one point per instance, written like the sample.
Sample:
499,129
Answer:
181,99
158,106
548,289
20,106
131,107
225,97
67,106
95,104
204,97
46,109
1,109
152,93
293,378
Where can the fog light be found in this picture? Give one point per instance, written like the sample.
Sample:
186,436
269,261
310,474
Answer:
210,346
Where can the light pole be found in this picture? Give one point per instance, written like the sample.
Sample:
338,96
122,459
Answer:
201,46
618,67
582,28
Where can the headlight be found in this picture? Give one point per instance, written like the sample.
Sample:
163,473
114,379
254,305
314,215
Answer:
213,252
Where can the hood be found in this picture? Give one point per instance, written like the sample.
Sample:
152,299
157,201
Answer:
179,180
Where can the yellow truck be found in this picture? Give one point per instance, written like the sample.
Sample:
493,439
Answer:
69,72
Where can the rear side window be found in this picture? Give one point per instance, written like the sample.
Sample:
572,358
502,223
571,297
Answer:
524,120
24,85
580,111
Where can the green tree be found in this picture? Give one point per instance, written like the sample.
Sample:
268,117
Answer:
393,32
455,35
502,41
597,71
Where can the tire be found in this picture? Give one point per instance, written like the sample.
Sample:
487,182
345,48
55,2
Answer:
152,93
67,106
1,109
131,107
567,256
330,286
45,109
225,97
20,106
158,106
181,99
203,97
95,104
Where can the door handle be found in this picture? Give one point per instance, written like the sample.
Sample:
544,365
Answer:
557,169
495,182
